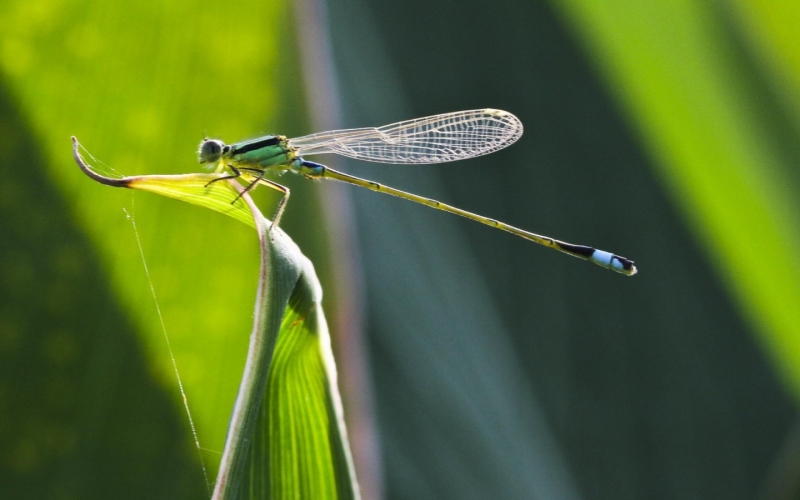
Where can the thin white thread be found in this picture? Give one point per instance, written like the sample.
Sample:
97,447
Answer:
169,348
105,169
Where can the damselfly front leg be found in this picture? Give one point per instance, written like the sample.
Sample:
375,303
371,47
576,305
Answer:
259,179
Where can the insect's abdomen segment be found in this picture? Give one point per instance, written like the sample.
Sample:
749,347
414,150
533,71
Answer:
599,257
604,259
613,262
308,169
265,152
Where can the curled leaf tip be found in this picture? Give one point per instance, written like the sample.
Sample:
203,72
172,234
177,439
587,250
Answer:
201,189
108,181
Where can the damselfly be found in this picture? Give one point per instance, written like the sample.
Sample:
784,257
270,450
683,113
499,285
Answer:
433,139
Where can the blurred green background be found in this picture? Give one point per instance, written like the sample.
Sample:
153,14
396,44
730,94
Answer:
474,364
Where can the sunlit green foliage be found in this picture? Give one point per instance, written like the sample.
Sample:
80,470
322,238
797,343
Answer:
712,89
287,433
141,85
502,372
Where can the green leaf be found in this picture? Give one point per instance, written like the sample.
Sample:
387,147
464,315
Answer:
286,438
198,189
723,132
300,448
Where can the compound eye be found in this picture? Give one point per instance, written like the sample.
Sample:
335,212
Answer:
210,150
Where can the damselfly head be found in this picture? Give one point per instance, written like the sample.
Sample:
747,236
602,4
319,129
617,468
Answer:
211,150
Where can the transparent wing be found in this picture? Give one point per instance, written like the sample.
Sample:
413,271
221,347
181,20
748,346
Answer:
433,139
